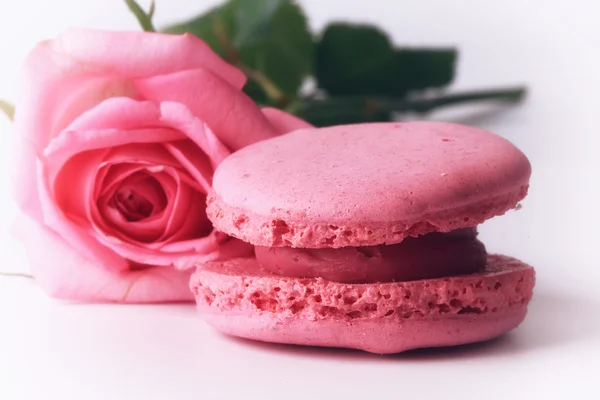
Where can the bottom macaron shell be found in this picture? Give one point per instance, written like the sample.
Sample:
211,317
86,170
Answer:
380,337
238,298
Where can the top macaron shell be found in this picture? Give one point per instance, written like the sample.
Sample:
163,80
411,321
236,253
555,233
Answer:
368,184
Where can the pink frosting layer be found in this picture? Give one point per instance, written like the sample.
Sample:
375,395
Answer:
241,299
365,185
431,256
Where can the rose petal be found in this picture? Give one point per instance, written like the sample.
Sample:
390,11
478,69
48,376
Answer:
40,117
67,144
111,225
71,224
148,155
183,218
82,137
195,223
234,117
66,274
228,248
194,160
71,186
94,65
183,201
179,117
202,249
139,198
149,195
61,79
54,90
284,122
71,193
25,172
120,113
179,205
110,175
143,54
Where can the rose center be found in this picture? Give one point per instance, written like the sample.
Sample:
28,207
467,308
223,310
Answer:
133,206
140,200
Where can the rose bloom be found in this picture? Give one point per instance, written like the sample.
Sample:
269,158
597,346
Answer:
118,137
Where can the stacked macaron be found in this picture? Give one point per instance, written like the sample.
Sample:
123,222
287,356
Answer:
366,238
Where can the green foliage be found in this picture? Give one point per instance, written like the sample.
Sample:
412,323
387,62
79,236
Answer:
214,27
360,75
268,39
359,59
357,109
144,18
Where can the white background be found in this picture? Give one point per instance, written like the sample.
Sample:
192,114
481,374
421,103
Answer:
51,350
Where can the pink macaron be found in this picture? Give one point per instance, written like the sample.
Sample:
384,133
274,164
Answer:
366,238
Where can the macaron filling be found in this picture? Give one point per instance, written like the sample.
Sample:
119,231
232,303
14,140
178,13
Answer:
429,256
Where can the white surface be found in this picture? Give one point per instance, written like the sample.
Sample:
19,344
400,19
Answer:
50,350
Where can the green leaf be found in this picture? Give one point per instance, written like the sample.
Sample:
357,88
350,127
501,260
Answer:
355,109
257,93
423,68
360,59
269,39
215,27
7,109
322,118
280,45
253,19
151,9
143,17
342,110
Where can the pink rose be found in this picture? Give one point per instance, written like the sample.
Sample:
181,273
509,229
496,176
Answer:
119,135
